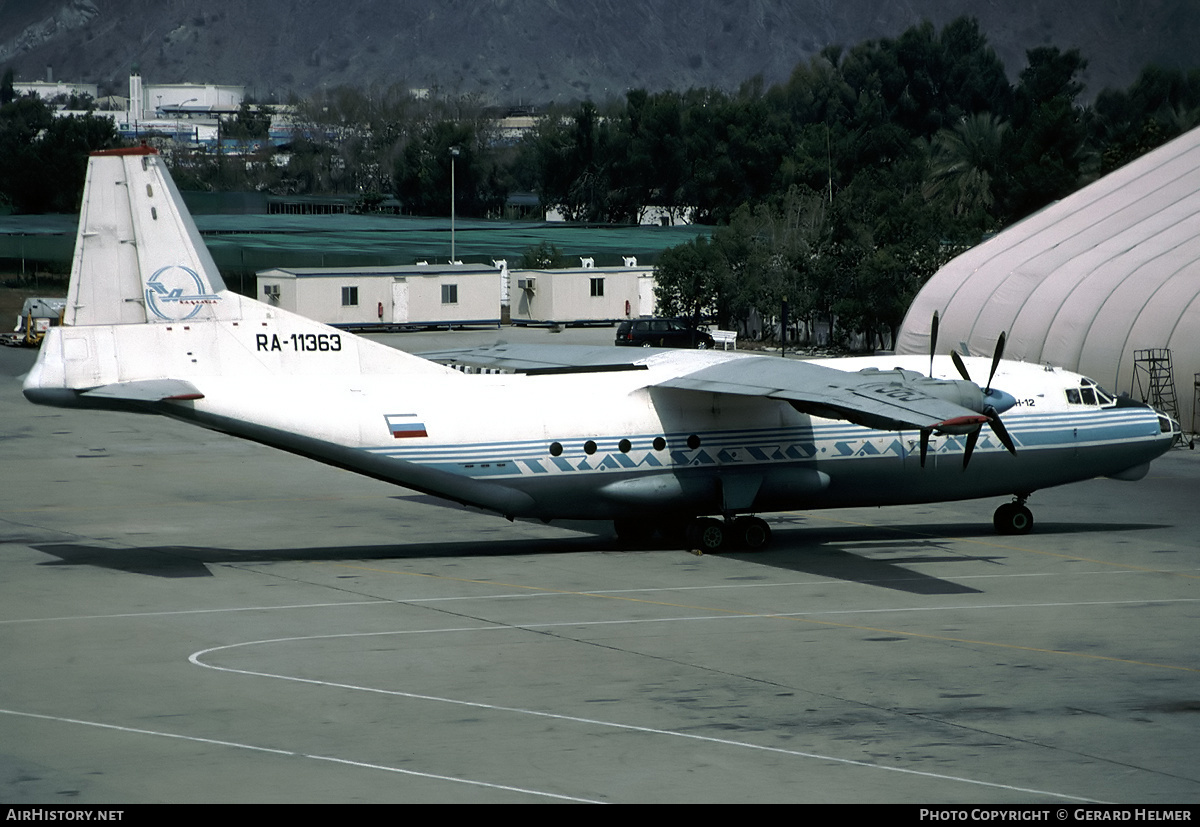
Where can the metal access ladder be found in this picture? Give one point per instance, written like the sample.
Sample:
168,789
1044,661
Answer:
1154,381
1195,412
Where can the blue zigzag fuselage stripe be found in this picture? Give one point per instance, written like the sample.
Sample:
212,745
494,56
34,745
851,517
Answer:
832,441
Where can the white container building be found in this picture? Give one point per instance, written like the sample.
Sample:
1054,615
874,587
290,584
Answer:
415,295
586,294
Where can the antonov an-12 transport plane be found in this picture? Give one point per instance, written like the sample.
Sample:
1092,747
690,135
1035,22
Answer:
686,443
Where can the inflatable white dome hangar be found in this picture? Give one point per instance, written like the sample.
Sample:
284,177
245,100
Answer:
1112,269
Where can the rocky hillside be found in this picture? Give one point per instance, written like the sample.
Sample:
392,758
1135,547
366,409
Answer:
515,51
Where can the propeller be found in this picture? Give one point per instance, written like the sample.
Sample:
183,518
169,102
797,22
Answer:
989,409
933,336
933,331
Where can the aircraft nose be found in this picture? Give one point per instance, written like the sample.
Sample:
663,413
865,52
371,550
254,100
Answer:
999,400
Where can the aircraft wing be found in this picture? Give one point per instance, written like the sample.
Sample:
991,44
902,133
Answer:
886,400
537,359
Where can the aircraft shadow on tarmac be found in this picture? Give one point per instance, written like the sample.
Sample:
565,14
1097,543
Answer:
878,555
869,555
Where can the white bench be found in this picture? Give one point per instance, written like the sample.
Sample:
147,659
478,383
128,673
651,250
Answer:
724,338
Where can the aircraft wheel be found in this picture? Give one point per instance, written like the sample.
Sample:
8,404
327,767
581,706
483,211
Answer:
752,533
1013,518
706,534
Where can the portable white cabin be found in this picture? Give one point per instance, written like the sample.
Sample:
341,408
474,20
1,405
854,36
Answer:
417,295
581,294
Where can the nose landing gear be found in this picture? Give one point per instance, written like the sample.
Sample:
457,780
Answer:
1013,518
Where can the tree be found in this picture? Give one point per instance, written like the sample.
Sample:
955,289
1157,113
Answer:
543,256
688,280
965,168
974,78
7,92
46,157
422,172
1045,146
249,124
583,166
1125,124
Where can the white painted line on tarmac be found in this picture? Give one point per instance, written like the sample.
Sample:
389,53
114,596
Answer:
290,753
197,659
600,593
199,611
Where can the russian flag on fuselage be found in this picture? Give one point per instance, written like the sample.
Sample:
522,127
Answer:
404,426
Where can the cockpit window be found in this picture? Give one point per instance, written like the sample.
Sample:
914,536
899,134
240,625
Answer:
1089,393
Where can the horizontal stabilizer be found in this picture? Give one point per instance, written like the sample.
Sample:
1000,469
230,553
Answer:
148,390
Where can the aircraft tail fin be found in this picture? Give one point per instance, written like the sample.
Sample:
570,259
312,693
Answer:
138,256
149,319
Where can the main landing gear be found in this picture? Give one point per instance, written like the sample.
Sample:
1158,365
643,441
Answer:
1013,518
710,534
707,534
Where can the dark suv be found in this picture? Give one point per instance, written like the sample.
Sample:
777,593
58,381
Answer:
661,333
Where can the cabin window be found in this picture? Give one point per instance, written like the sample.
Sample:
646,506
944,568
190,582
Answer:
449,294
597,287
349,297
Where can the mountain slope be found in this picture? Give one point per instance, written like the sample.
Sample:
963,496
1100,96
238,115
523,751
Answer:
538,50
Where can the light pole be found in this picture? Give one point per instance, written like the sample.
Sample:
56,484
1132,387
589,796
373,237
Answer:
453,155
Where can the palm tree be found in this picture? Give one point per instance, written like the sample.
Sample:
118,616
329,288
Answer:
964,167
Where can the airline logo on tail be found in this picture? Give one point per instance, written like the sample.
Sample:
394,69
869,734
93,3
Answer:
176,293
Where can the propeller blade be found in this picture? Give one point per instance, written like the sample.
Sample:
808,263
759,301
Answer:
996,357
972,438
933,333
993,416
958,363
1001,431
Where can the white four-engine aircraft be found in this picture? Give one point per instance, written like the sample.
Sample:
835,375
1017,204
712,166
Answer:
694,442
